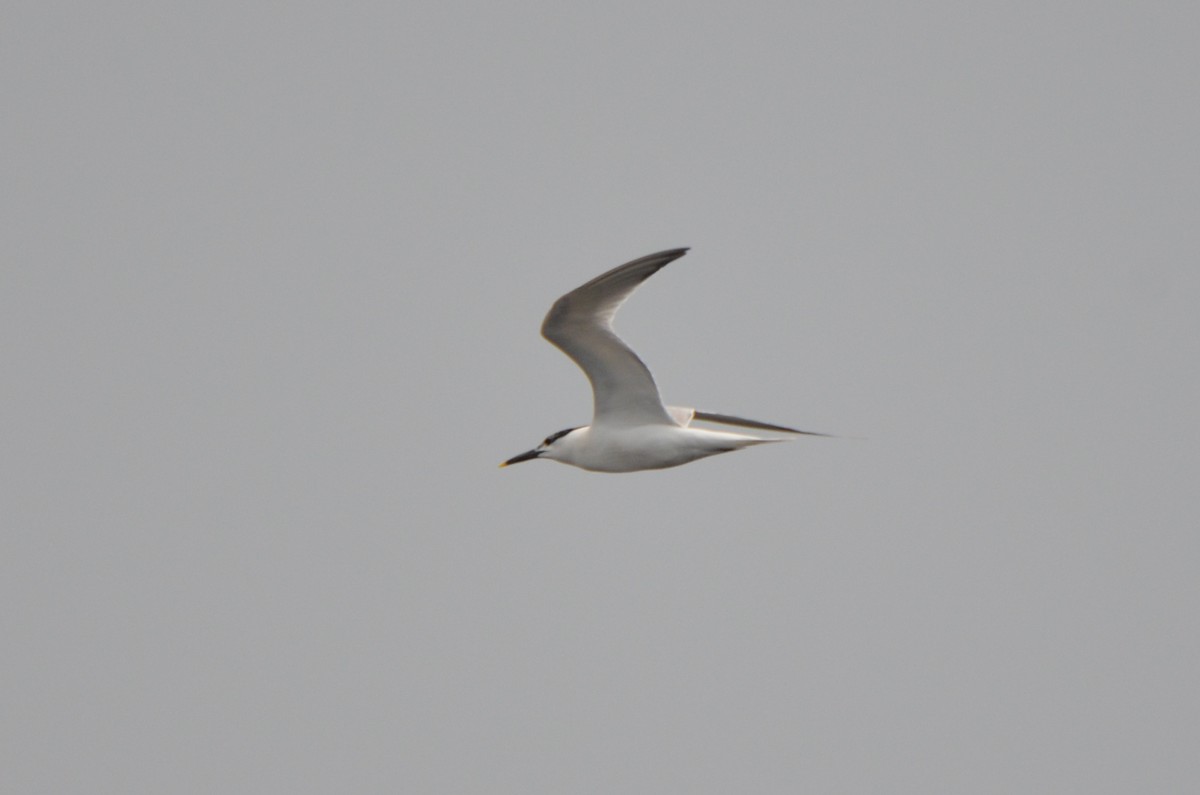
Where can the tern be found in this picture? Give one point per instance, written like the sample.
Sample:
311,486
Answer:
631,429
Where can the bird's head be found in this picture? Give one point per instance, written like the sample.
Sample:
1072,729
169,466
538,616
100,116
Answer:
551,447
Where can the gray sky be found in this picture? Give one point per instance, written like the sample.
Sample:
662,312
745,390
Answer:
268,318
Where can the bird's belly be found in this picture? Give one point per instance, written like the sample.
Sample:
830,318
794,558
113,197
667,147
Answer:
641,448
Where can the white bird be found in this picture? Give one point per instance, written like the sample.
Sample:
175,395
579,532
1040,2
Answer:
631,429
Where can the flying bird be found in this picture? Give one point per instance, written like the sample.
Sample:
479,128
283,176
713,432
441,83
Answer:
631,429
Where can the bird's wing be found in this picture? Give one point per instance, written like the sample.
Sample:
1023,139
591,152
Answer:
728,419
683,417
580,325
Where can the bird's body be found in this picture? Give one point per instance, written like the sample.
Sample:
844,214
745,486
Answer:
603,448
631,429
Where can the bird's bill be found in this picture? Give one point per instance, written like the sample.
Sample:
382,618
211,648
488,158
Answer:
516,459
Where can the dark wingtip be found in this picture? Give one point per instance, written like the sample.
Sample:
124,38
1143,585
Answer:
669,255
660,259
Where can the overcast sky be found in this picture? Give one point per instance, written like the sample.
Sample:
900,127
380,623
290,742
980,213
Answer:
272,282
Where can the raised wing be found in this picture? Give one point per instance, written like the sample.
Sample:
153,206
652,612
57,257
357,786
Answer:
580,325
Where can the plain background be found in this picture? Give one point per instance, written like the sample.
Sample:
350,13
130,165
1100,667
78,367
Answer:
272,281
